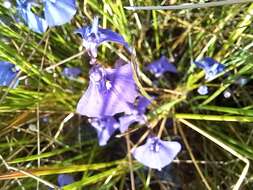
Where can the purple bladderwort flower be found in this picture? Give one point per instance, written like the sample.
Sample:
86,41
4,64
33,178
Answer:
64,179
137,115
71,72
203,90
211,67
110,91
8,73
156,153
160,66
56,12
105,127
93,36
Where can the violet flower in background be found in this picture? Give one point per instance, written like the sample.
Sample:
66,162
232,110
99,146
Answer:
211,67
71,72
203,90
65,179
110,91
8,73
160,66
137,115
93,36
105,127
156,153
56,12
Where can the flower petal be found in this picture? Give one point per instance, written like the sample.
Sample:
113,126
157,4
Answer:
59,12
211,67
64,179
34,22
142,105
105,127
126,120
7,74
93,36
156,153
107,35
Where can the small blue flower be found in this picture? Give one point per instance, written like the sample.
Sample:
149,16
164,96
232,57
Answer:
56,12
227,94
156,153
93,36
71,72
110,91
211,67
203,90
105,127
160,66
64,179
8,73
7,4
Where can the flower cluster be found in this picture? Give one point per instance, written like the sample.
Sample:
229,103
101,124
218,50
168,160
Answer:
112,100
56,12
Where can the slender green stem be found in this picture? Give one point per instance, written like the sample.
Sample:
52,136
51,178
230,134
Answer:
213,117
187,6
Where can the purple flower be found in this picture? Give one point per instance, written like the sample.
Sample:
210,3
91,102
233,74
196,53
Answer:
71,72
64,179
57,12
110,91
93,36
156,153
8,73
160,66
137,115
211,67
203,90
105,127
